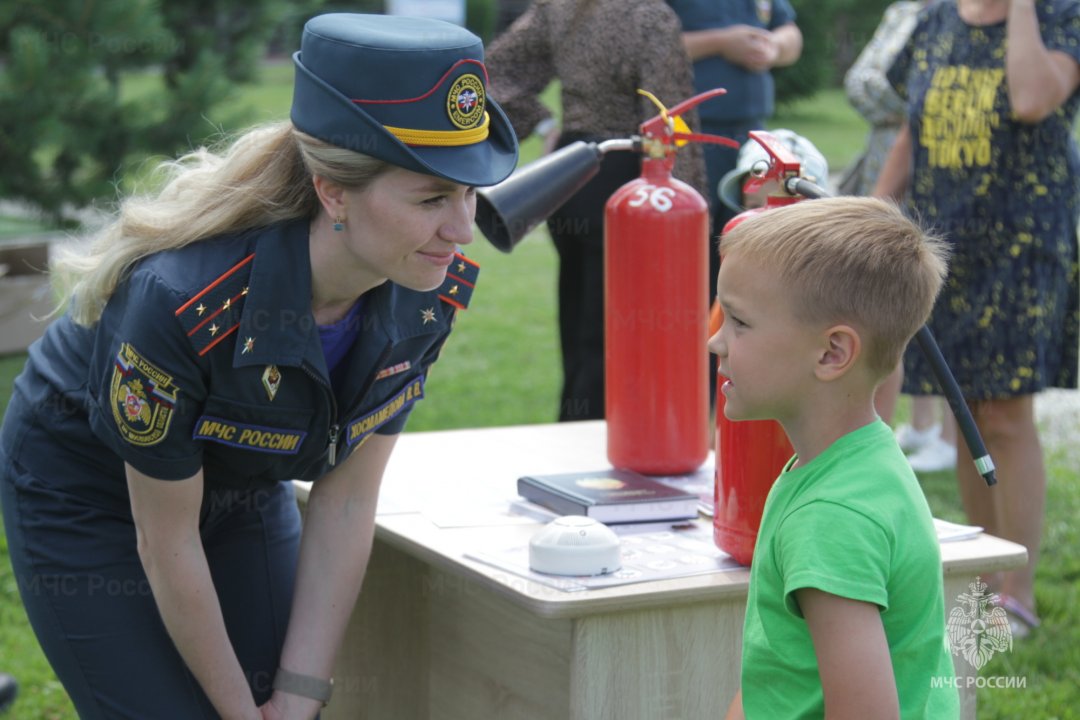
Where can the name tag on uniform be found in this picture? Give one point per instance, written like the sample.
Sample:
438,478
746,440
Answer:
249,437
359,430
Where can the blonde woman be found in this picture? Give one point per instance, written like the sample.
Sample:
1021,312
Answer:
270,315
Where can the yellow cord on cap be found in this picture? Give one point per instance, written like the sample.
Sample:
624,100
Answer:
442,138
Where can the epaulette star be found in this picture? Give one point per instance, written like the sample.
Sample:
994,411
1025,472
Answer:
460,280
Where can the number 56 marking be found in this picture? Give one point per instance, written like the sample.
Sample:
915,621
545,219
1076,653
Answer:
659,197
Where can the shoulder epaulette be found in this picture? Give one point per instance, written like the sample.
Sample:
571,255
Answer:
214,313
457,288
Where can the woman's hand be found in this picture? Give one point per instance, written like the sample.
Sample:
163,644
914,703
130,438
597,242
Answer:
1038,80
269,711
166,515
284,706
749,47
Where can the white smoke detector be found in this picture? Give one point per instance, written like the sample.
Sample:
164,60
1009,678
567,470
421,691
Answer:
575,545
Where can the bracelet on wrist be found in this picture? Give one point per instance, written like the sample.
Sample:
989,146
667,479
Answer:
304,685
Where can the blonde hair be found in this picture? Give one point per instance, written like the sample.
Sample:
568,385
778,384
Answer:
263,177
850,260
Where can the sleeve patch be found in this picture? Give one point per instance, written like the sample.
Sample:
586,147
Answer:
143,398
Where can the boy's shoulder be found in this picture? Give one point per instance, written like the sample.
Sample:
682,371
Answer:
861,486
864,465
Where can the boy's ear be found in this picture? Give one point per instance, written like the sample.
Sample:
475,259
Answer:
331,196
842,348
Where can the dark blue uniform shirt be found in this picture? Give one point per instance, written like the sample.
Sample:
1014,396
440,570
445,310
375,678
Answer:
209,357
750,94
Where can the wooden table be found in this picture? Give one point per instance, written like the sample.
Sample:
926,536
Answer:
437,635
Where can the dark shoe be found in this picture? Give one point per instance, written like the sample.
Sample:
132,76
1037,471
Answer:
8,690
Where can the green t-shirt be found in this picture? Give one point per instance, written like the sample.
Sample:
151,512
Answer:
853,522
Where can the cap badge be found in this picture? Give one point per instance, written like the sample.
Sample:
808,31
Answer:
465,102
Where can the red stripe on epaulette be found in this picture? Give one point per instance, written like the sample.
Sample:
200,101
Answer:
455,303
221,337
214,284
460,280
459,256
234,299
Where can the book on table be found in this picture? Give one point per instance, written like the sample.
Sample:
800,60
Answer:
609,496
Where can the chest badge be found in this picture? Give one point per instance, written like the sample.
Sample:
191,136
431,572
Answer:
271,380
428,315
764,12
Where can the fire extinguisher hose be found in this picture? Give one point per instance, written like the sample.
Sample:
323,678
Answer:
949,387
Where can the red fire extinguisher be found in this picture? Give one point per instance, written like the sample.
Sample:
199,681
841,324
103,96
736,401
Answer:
750,454
656,308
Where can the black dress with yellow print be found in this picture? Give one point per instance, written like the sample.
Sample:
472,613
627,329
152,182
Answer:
1005,194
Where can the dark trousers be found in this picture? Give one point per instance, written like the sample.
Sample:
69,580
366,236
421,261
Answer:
92,609
577,230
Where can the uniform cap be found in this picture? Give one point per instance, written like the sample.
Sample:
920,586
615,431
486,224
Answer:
411,91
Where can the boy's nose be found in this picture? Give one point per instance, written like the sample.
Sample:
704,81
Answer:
717,346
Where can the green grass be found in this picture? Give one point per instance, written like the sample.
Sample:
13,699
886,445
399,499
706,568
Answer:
828,121
501,367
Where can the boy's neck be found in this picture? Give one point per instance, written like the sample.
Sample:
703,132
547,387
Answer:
826,419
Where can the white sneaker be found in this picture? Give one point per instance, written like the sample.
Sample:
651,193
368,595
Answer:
911,440
935,456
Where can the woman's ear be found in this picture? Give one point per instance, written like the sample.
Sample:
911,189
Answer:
842,348
331,196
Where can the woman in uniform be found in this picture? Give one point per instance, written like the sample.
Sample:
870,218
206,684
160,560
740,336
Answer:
270,315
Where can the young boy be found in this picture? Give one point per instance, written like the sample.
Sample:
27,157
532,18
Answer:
845,616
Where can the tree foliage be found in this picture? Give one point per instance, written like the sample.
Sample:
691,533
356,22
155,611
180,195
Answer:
834,31
66,124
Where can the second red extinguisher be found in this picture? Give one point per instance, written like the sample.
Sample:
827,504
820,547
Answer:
750,454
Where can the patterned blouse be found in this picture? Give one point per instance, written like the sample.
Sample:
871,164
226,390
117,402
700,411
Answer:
602,52
871,94
1005,194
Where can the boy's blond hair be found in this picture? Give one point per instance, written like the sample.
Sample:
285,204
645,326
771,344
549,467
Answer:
852,260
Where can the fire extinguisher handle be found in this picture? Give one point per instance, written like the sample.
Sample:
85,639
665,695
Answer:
692,102
664,125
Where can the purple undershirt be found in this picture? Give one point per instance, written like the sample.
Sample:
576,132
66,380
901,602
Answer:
338,338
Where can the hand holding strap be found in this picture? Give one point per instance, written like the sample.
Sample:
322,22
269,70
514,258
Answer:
303,685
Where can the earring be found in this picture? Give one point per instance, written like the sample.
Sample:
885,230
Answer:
339,225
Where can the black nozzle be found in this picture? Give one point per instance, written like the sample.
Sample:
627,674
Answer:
506,212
